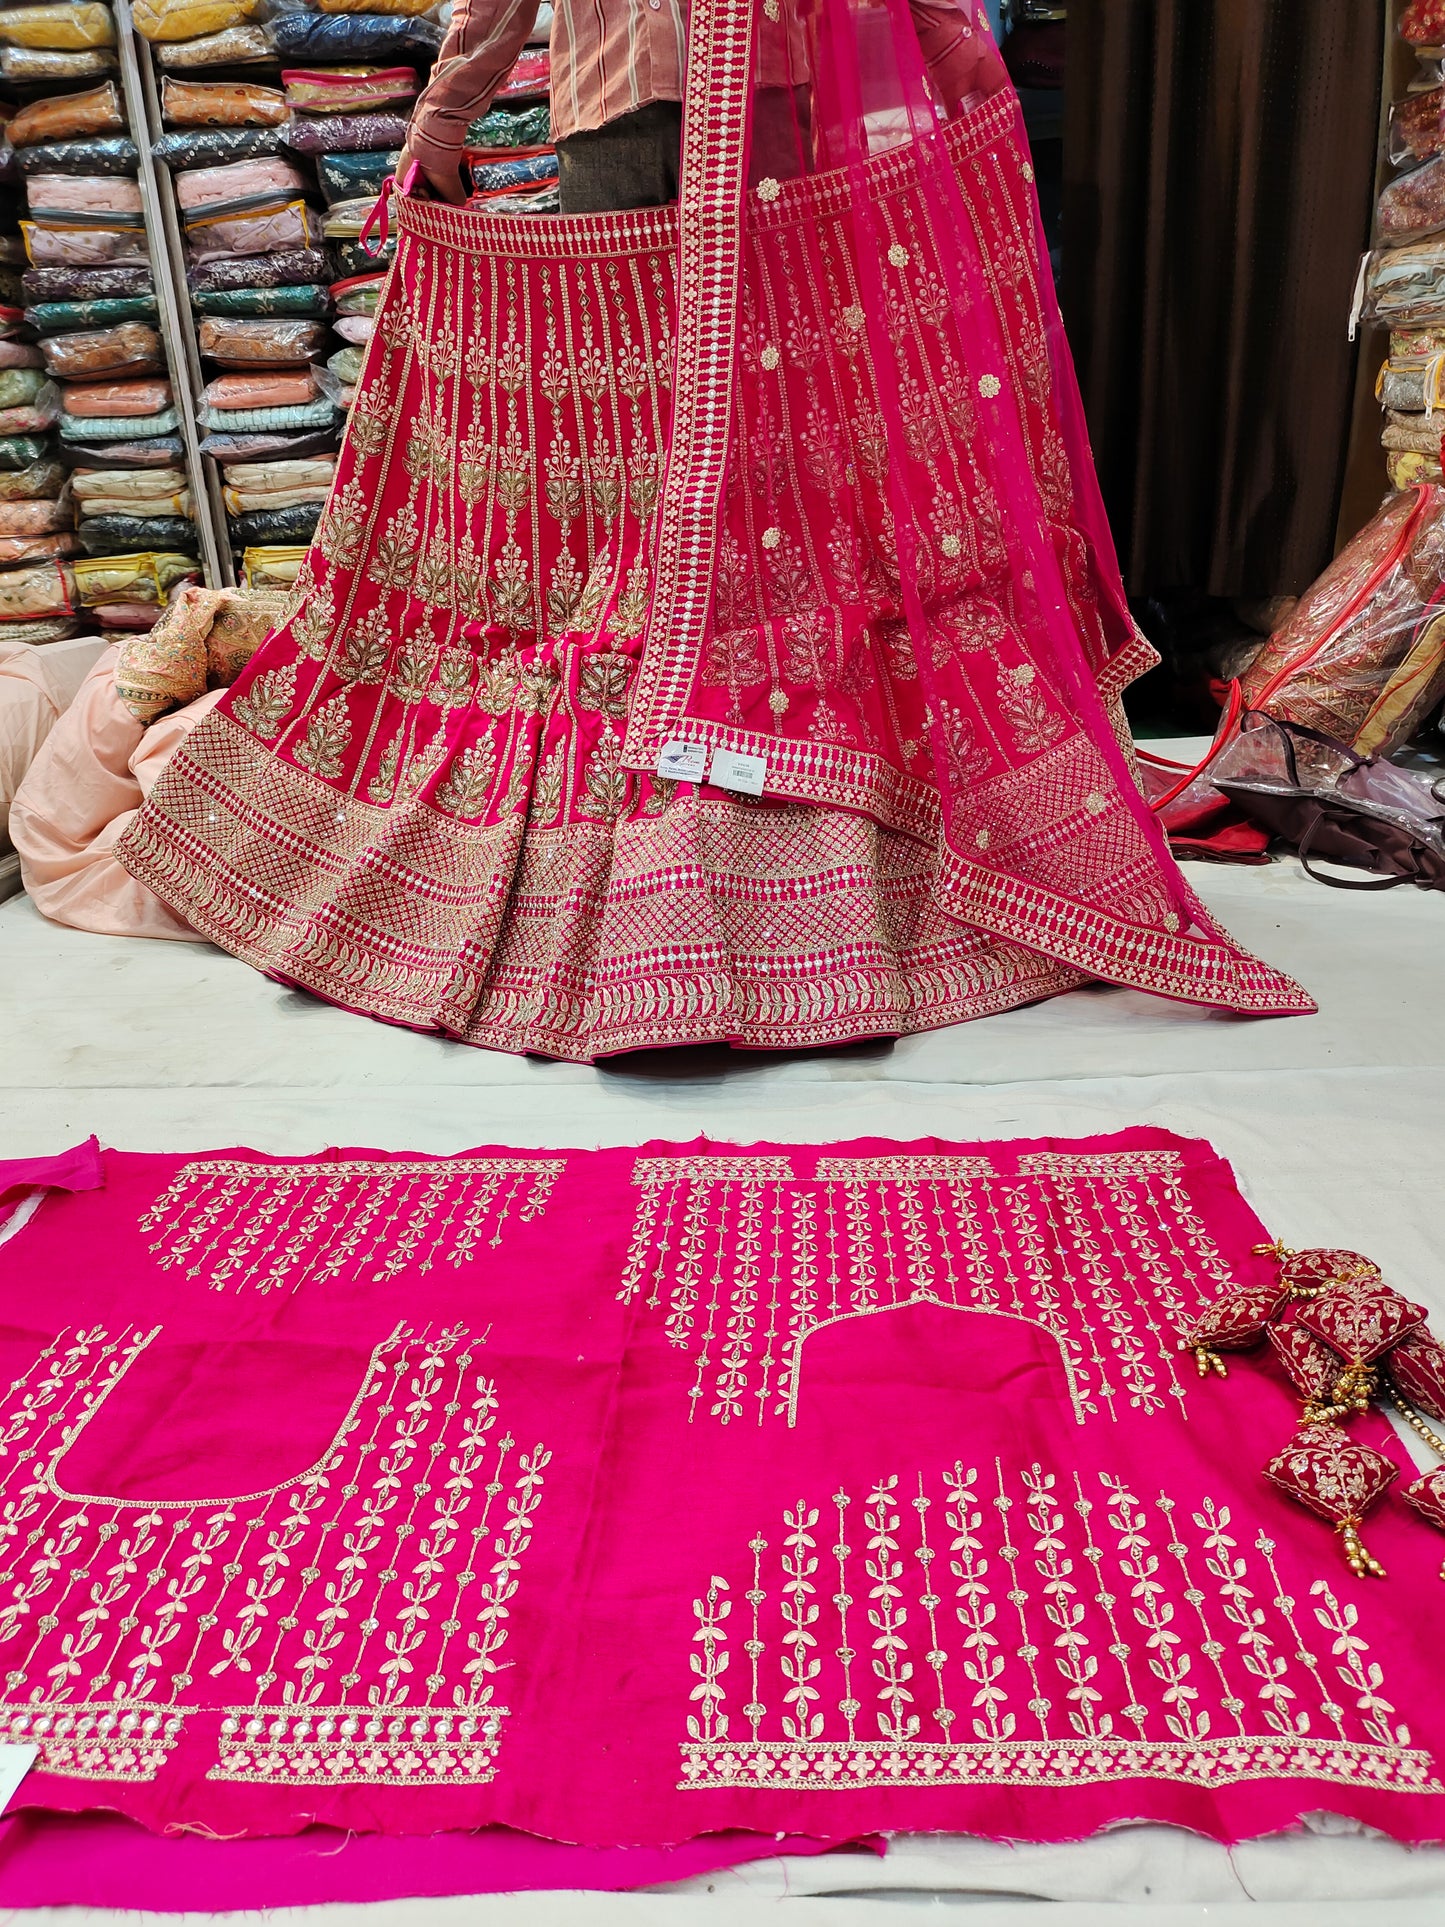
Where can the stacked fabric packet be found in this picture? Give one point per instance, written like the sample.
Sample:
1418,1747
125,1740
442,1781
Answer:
509,148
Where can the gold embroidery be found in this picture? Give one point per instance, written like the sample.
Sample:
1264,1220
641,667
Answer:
468,786
327,735
267,702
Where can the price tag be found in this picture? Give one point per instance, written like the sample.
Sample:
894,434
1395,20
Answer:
732,770
682,762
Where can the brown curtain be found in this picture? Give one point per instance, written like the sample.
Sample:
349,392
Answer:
1219,160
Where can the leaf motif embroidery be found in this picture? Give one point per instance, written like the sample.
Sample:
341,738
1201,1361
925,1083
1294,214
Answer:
382,784
396,553
453,686
547,796
265,705
602,684
469,782
327,734
364,654
343,527
1026,710
605,781
313,624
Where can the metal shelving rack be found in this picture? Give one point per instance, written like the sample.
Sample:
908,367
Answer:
168,269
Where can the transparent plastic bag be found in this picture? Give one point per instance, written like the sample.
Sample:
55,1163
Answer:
1406,467
110,490
280,388
221,103
64,317
344,220
71,28
266,421
87,284
1419,434
106,196
105,154
146,576
272,568
45,516
307,301
358,295
69,117
237,344
260,478
159,449
131,348
235,183
357,258
21,453
108,535
269,230
198,147
1417,127
291,268
1416,386
399,9
530,77
50,245
347,133
20,354
503,127
46,590
1413,206
306,39
345,177
21,387
276,525
43,63
345,365
170,20
146,395
347,90
95,431
356,329
494,177
232,47
1362,657
1422,23
18,549
38,481
225,447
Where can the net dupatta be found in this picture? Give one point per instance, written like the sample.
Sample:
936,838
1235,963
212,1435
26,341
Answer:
881,563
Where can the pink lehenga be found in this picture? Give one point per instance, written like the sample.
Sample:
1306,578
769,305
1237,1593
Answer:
794,472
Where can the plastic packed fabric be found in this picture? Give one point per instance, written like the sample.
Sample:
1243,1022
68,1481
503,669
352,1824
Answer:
38,481
259,478
281,389
1422,23
125,485
530,77
242,501
353,259
18,549
69,117
344,177
344,220
178,502
226,447
355,328
511,127
107,399
98,194
198,147
1419,434
1417,127
1416,344
50,629
20,354
309,301
86,284
189,19
262,421
267,343
203,188
359,295
347,133
1407,467
12,322
105,154
272,568
232,47
45,515
497,176
29,419
345,364
276,525
117,428
49,245
21,453
47,590
62,317
1362,657
112,535
87,353
268,230
144,576
20,387
1413,206
161,450
1414,385
44,63
306,38
87,24
221,103
291,268
348,90
399,9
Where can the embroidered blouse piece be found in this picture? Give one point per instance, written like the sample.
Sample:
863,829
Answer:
830,1491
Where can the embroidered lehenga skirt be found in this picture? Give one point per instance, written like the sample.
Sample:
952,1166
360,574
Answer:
597,498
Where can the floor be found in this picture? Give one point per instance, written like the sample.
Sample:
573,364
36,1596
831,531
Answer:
1335,1124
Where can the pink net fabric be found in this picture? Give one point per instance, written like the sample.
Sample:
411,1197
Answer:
794,470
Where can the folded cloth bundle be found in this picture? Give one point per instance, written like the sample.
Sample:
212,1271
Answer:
131,348
121,533
43,63
270,567
1419,433
346,133
105,154
161,449
117,428
20,354
166,20
347,90
277,525
143,577
124,484
87,284
303,38
45,590
148,396
226,446
16,549
358,294
105,194
232,47
221,103
265,177
291,268
353,175
309,299
20,452
69,117
87,24
283,388
45,516
356,328
196,147
83,242
272,228
267,343
203,641
41,481
511,127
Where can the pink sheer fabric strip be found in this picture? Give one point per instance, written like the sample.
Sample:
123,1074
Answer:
622,1497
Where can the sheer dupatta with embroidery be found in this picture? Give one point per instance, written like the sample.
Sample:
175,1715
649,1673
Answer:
713,632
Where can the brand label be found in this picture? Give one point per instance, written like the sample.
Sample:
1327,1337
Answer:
682,762
732,770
